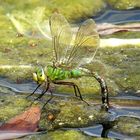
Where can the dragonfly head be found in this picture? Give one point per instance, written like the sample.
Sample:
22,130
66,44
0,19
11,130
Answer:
39,76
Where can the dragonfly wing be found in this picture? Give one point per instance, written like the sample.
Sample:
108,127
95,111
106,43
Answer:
85,44
27,23
61,37
72,50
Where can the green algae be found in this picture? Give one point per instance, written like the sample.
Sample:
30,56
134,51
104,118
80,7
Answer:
124,35
73,10
124,4
124,66
86,84
11,104
17,75
119,67
69,135
68,113
63,135
131,128
71,114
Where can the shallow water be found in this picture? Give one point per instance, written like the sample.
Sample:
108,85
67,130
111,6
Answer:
118,17
120,107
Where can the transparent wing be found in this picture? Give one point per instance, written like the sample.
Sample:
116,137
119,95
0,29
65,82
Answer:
86,42
73,49
27,23
61,37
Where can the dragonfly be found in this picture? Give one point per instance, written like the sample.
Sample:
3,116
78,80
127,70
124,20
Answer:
71,50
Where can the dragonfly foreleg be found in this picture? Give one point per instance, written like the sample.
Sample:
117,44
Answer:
75,91
43,92
34,91
48,100
76,88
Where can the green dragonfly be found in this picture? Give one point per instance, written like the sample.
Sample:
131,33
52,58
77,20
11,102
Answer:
71,50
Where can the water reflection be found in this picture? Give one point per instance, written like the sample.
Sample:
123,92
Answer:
117,17
105,131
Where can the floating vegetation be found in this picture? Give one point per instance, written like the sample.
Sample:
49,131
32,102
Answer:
130,128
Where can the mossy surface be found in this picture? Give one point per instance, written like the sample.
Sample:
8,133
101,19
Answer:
124,35
73,10
119,67
72,114
63,135
123,65
124,4
61,112
132,126
11,104
69,113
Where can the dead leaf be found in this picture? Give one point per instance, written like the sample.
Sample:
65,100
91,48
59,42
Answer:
27,121
107,28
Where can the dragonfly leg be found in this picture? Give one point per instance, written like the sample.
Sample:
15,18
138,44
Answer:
76,88
48,100
80,95
75,91
34,91
43,92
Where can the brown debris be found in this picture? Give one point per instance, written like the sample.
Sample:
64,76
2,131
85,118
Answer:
50,117
27,121
107,28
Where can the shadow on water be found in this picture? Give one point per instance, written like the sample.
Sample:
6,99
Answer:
104,131
126,106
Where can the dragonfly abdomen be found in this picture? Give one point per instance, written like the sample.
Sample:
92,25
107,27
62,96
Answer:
76,73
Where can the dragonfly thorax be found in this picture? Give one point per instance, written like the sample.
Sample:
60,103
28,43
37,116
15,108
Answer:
62,64
57,73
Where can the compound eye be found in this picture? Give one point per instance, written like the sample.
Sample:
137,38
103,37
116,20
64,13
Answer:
40,75
39,72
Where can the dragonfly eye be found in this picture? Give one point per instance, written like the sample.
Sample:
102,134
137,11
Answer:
40,75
